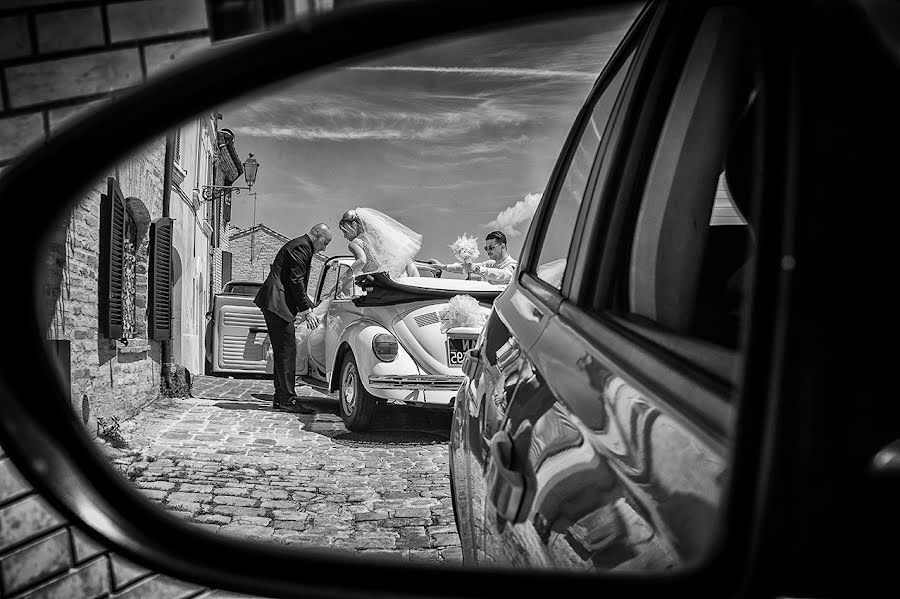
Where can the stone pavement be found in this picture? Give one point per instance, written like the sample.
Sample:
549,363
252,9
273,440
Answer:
225,460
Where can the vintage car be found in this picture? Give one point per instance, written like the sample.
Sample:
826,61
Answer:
236,340
383,340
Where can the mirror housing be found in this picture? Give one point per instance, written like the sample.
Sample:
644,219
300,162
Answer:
50,445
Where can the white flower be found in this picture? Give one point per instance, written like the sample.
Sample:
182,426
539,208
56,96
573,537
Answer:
465,248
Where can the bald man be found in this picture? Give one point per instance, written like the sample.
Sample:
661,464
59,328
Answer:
281,298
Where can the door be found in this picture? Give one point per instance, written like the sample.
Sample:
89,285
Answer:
611,450
316,340
520,316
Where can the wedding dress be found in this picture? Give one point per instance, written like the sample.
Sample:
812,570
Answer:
389,246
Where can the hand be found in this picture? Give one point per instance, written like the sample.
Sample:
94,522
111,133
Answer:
312,321
467,267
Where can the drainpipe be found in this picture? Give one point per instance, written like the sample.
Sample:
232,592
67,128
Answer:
165,347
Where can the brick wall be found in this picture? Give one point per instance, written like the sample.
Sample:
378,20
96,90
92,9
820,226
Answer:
108,378
265,244
59,59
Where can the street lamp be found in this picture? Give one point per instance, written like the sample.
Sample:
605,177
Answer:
251,166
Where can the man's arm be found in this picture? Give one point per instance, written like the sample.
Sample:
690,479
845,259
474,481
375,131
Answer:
298,275
455,267
493,275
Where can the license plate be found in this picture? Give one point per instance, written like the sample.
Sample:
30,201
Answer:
457,348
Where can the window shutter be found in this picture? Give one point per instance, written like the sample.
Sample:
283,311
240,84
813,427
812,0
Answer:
111,279
159,302
226,267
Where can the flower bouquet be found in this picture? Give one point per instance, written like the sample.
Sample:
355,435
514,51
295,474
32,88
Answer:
462,311
465,248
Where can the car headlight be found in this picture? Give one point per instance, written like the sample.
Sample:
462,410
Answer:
385,347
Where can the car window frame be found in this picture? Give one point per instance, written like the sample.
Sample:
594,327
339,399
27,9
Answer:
628,48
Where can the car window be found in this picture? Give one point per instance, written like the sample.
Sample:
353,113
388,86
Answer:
346,286
690,252
242,289
329,280
561,227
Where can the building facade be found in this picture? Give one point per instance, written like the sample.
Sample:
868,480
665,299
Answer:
227,170
59,61
192,238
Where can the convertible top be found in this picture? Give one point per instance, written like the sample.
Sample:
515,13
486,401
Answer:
381,290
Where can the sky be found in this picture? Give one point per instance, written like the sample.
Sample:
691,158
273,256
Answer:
449,139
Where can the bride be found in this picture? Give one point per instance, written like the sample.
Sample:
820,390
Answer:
380,244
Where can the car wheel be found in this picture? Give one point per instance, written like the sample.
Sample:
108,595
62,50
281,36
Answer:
357,404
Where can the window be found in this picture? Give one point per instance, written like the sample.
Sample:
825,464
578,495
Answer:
118,256
561,227
129,278
178,145
226,267
691,247
329,280
346,285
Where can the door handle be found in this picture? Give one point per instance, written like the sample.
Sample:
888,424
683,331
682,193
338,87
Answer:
536,313
470,363
505,486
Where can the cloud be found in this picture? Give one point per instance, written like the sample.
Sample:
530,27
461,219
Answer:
480,148
519,213
515,72
349,123
430,164
425,187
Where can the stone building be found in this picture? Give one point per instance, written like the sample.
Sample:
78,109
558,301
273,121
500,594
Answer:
253,250
58,61
111,374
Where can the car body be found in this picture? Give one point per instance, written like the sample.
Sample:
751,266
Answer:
423,365
593,429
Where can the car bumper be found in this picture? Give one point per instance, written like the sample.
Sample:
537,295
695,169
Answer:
422,382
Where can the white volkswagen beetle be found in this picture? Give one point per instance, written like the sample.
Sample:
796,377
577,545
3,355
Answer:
383,341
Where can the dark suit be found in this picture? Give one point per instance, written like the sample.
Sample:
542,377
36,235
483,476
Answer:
281,297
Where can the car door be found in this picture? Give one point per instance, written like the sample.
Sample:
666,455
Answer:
611,450
523,311
342,311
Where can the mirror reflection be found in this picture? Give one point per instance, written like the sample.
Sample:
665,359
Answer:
310,317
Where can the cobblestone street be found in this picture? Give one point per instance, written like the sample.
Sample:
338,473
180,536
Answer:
224,459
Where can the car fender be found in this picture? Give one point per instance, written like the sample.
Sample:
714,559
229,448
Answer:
358,337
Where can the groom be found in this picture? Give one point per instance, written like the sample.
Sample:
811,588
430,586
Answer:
280,298
499,270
